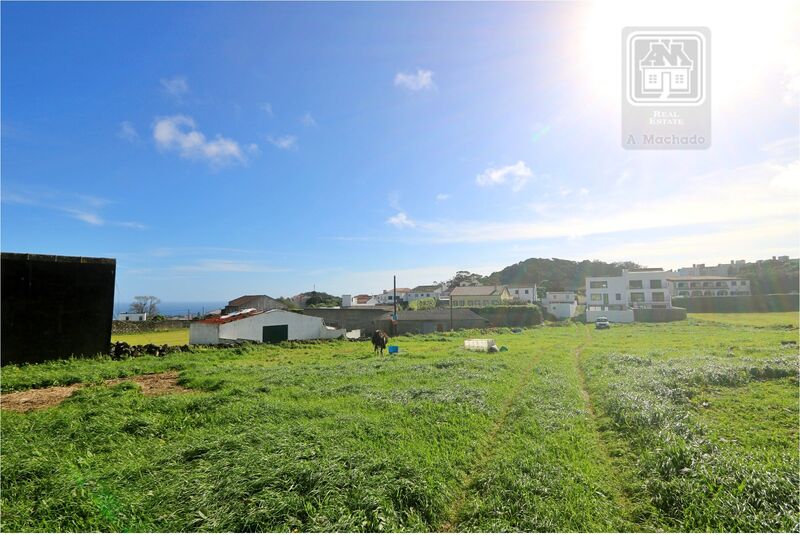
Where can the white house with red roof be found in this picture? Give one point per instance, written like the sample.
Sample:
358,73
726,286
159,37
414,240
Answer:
269,326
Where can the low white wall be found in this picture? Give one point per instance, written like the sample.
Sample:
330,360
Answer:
203,333
614,316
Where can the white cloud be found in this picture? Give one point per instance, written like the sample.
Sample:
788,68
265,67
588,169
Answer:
176,87
421,80
179,133
752,193
86,217
308,120
441,197
266,107
127,131
284,142
401,220
518,175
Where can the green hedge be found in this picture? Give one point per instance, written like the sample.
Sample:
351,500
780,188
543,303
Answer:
740,303
511,316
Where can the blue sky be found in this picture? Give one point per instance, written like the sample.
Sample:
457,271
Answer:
216,149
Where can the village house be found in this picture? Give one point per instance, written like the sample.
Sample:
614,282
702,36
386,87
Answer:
132,316
562,305
426,291
525,293
387,296
258,302
479,296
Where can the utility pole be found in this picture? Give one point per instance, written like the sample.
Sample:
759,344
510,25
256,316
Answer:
394,303
451,310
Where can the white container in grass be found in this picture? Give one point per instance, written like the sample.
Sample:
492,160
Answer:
479,344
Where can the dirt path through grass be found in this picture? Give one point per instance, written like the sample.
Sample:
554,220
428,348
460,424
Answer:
486,450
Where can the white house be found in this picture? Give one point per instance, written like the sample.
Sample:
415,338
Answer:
479,296
708,285
617,297
562,305
525,294
422,292
132,316
259,326
387,296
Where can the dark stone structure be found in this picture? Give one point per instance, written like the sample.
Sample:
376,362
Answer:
55,306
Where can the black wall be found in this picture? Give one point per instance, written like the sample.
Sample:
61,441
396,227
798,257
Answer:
55,306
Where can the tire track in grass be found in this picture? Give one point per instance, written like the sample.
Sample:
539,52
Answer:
619,493
486,451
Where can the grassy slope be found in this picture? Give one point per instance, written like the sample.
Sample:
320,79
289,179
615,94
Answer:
177,337
329,437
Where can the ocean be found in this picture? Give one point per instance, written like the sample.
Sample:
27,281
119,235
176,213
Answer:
176,308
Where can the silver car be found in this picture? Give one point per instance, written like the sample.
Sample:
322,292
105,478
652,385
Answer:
602,323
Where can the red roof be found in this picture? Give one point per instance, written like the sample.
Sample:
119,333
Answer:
232,317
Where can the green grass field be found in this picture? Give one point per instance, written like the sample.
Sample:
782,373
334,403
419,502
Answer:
767,319
690,426
177,337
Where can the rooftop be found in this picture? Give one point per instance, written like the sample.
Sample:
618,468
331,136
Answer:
477,290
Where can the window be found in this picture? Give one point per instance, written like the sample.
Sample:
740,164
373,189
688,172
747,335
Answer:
598,284
655,284
681,285
653,78
743,283
470,303
658,296
526,291
618,297
678,78
635,285
516,292
596,297
695,285
684,293
637,297
733,283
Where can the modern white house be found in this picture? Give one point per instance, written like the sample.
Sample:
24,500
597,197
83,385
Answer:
132,316
617,297
562,305
524,293
708,286
361,300
720,270
260,326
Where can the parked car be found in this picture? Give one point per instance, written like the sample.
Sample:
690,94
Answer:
602,323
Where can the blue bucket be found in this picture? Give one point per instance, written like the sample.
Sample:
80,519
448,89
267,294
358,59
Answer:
393,349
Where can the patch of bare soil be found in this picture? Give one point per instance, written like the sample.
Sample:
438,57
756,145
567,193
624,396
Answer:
155,384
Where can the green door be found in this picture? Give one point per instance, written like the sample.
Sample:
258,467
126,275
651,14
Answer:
272,334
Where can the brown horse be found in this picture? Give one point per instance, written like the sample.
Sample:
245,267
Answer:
379,341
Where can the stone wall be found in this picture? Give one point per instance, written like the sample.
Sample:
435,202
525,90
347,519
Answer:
133,327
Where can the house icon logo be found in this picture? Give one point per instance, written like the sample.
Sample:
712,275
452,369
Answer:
666,67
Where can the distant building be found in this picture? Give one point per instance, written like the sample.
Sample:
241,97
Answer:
708,286
269,326
132,316
430,321
258,302
524,293
617,297
562,305
432,291
479,296
387,296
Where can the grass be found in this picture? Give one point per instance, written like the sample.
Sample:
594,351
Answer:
690,426
177,337
766,319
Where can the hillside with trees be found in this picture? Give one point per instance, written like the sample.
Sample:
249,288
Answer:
770,276
555,274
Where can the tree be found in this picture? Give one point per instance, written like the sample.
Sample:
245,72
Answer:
470,279
145,304
426,303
